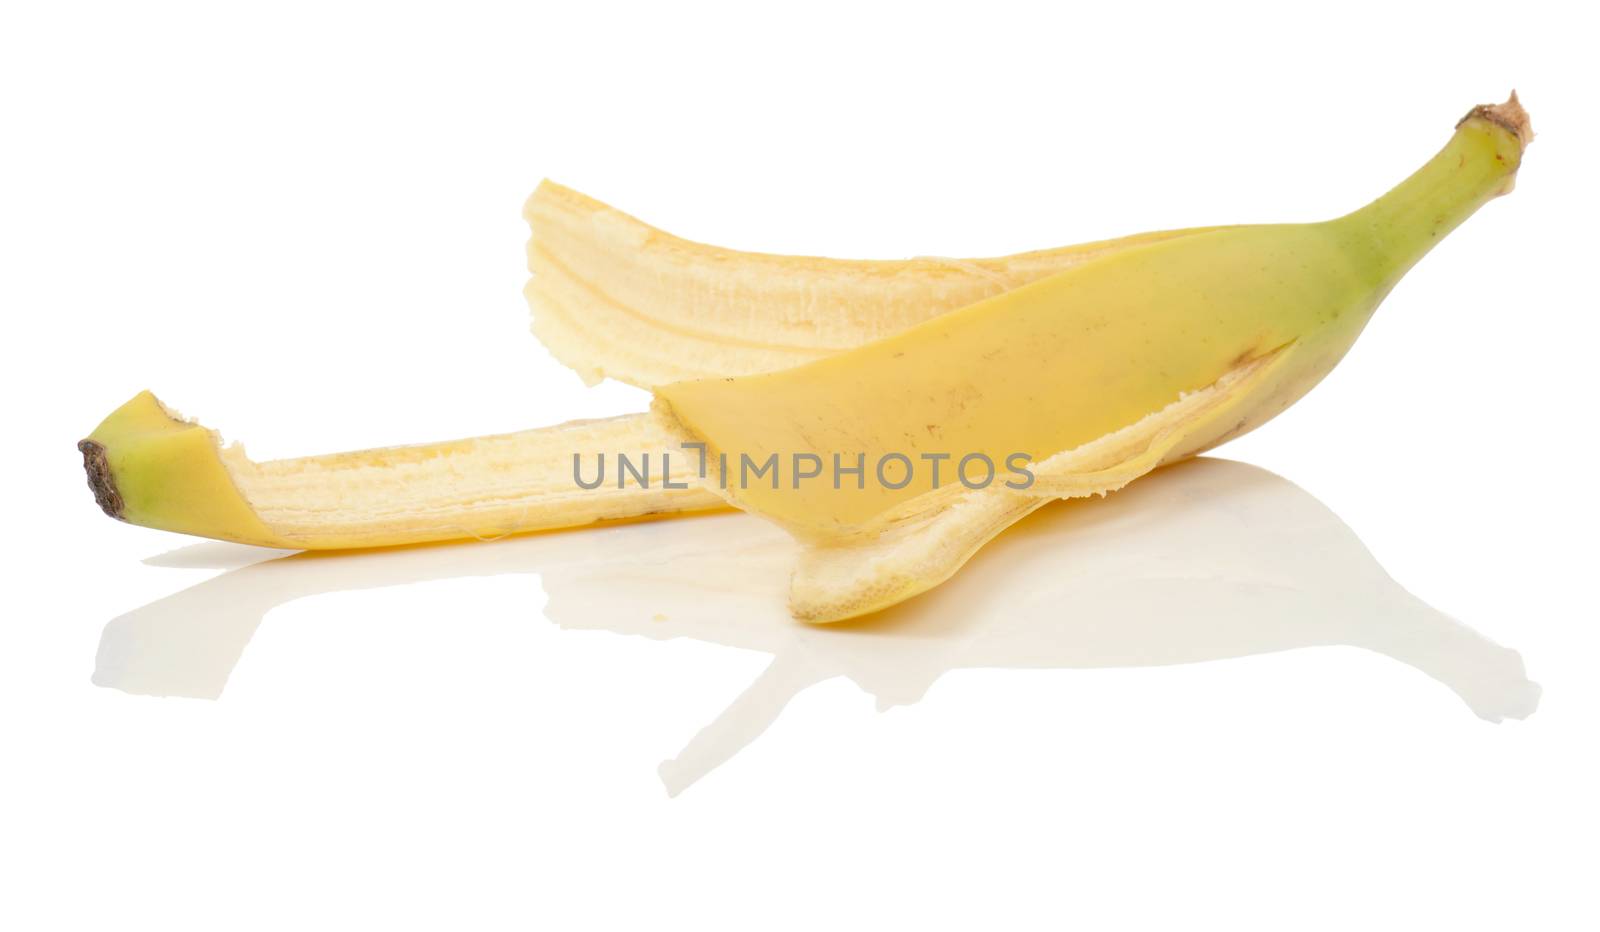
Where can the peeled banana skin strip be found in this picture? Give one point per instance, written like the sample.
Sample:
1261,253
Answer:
151,467
613,297
1099,373
920,548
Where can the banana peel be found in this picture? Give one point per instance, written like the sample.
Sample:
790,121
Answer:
916,549
149,466
613,297
1099,362
1142,357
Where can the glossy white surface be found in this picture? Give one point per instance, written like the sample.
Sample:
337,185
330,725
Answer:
1207,560
1144,712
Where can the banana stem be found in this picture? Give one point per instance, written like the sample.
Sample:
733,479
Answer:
1478,164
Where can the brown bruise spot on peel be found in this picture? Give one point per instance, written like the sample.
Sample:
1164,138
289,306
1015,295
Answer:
1509,115
101,483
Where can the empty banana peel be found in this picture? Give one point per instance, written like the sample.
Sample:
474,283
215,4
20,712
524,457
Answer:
606,288
614,297
149,466
1074,371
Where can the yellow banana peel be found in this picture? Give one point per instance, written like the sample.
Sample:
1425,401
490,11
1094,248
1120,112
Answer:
1079,369
614,297
149,466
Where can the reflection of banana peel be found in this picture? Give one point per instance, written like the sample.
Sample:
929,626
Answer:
1098,362
1208,560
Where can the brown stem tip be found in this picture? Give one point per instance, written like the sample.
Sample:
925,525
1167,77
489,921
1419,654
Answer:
1509,115
100,481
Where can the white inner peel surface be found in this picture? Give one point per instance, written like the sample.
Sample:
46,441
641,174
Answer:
615,297
480,487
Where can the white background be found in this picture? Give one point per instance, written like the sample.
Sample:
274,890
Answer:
301,223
